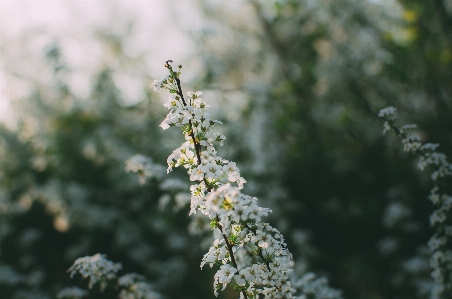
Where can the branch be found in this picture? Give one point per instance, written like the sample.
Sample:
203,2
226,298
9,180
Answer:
197,146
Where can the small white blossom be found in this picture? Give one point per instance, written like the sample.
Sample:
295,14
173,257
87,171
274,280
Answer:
157,84
136,288
72,293
97,268
441,260
388,111
225,275
144,167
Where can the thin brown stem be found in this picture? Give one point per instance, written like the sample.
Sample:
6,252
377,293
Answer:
362,98
260,250
228,245
401,134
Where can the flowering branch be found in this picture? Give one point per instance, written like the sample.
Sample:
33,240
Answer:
440,243
175,76
217,195
103,272
198,155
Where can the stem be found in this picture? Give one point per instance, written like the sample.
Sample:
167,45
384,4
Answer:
198,155
443,266
192,134
260,250
399,133
228,245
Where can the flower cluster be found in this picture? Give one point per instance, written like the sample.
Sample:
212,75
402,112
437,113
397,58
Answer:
251,255
441,242
100,270
315,287
72,293
136,288
144,167
97,268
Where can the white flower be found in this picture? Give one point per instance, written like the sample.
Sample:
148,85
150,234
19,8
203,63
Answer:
144,167
244,276
192,94
388,111
173,102
157,84
71,293
225,274
97,268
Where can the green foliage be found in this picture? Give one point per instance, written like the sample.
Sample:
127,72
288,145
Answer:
65,192
319,72
300,82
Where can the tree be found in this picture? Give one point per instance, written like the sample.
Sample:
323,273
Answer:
323,70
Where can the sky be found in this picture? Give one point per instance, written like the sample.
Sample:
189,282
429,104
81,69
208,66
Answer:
157,30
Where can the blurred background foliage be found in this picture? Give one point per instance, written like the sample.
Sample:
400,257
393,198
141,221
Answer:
297,84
